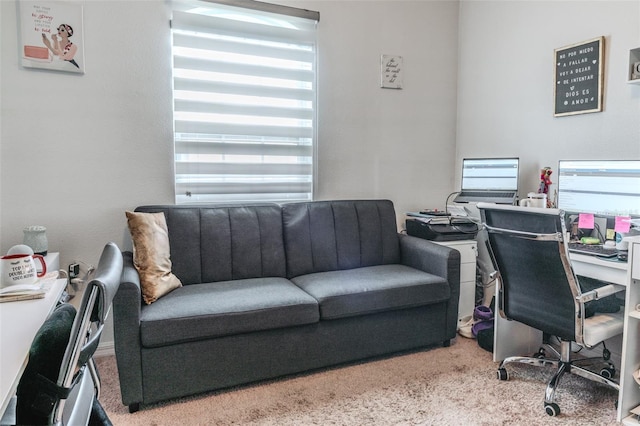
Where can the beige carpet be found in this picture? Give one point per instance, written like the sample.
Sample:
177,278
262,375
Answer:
441,386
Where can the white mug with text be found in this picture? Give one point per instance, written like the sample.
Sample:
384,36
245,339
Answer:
20,269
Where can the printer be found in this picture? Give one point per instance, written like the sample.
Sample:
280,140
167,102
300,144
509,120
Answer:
451,229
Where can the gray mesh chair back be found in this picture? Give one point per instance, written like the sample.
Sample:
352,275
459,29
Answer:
538,287
62,388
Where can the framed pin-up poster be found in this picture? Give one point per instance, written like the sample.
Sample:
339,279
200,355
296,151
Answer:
51,35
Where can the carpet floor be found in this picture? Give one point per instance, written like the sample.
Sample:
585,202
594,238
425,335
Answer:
440,386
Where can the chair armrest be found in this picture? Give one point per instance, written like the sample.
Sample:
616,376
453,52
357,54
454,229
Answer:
600,292
127,306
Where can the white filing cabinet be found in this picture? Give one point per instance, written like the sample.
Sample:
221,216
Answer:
468,253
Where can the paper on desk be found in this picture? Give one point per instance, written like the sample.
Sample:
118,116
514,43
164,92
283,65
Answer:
15,297
43,284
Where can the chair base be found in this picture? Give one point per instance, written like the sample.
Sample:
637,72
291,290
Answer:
563,363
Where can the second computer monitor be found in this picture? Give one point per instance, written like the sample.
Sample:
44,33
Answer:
601,187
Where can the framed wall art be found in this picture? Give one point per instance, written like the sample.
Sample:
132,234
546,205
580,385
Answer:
51,35
579,76
391,71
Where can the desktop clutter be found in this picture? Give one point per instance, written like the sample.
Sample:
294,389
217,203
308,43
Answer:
18,267
586,235
23,270
588,238
441,225
541,198
20,279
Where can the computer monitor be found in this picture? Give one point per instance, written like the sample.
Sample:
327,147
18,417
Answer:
601,187
490,174
492,180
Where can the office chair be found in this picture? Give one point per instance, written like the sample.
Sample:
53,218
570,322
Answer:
60,385
539,288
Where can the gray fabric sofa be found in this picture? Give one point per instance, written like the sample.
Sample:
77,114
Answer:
270,290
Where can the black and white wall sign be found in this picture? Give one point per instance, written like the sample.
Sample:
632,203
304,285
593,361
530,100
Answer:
579,77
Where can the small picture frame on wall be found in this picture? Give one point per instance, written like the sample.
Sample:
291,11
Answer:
51,35
579,77
391,71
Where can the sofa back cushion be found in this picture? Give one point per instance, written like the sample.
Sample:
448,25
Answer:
227,242
325,236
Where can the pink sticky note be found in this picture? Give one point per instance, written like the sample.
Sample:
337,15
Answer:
585,221
623,223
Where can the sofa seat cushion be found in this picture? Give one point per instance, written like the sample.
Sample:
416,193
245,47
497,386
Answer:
203,311
372,289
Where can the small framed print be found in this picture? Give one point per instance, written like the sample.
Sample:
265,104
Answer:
51,35
391,71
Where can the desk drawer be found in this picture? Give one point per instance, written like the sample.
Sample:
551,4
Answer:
468,273
468,253
468,249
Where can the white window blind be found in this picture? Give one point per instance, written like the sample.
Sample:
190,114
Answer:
244,86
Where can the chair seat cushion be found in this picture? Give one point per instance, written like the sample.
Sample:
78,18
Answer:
601,327
203,311
372,289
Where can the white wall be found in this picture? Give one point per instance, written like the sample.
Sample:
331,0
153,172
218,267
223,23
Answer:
77,151
385,143
505,86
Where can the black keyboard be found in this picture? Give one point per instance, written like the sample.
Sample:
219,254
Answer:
592,250
486,194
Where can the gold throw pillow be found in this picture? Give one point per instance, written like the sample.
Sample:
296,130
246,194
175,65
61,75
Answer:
151,254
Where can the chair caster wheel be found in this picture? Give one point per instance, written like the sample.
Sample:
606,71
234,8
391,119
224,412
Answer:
541,354
503,374
552,409
608,372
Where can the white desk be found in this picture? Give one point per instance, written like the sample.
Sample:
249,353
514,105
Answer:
19,323
609,270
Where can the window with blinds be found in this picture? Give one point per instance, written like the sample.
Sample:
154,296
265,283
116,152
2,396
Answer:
244,89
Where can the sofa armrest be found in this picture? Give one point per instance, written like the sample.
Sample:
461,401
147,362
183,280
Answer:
430,257
438,260
126,329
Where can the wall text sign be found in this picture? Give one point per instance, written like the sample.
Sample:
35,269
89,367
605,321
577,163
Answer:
579,77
